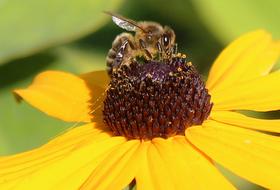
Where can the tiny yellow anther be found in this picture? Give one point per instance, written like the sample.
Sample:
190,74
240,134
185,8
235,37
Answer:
189,63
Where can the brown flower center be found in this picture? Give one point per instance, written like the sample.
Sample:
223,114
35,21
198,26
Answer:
155,99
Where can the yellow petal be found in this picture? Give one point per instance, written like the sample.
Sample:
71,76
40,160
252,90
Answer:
96,78
157,170
261,94
240,120
144,179
179,172
249,154
61,95
118,169
58,161
250,56
98,82
29,161
77,167
201,168
175,164
189,167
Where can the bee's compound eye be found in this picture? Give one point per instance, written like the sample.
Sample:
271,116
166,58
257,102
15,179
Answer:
165,39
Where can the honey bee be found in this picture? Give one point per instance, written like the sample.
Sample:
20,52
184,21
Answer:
151,41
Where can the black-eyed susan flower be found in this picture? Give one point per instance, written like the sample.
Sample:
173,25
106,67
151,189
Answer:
161,128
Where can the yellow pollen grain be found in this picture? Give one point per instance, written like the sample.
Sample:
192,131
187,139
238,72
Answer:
189,64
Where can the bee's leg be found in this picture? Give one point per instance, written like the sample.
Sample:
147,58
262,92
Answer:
175,49
119,40
120,54
160,50
122,57
144,47
118,51
131,44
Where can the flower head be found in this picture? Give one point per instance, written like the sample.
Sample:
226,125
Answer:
101,155
156,99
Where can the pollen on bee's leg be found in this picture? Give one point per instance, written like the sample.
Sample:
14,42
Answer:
156,99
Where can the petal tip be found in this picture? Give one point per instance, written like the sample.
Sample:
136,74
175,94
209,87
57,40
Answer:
17,96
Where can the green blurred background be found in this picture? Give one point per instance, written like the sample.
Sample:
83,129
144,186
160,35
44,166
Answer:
74,36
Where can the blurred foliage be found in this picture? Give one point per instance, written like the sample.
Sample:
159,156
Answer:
229,19
30,26
75,36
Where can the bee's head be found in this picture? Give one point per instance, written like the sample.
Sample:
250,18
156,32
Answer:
150,32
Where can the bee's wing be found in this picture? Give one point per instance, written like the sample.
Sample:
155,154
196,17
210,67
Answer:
123,22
